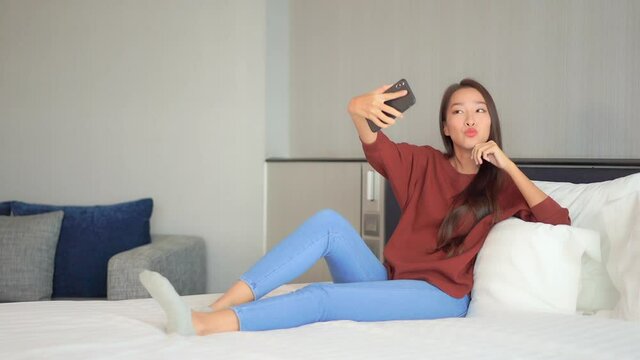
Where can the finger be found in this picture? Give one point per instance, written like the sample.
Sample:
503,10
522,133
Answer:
373,114
489,149
378,122
390,110
473,151
373,117
382,116
484,150
379,116
394,95
381,89
488,156
478,155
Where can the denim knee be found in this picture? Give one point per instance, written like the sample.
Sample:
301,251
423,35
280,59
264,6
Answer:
318,294
329,216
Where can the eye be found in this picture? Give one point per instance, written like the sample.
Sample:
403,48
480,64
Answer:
456,112
481,110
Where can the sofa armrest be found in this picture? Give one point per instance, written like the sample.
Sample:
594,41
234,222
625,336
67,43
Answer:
181,259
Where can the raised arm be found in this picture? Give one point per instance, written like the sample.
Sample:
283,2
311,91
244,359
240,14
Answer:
371,106
396,162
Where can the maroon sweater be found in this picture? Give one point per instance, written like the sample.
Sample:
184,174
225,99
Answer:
424,182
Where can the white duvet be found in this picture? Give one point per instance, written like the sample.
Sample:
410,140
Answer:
134,329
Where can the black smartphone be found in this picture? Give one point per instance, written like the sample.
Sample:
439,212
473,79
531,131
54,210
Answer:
401,104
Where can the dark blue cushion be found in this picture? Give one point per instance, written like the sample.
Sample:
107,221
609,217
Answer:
89,236
5,208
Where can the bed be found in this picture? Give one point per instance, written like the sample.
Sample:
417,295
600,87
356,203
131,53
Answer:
134,329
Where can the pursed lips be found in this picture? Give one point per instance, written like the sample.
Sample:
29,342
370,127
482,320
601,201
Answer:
471,132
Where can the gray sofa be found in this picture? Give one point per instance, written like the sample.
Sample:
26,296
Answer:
181,259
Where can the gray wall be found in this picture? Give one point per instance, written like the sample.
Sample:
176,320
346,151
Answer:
107,101
278,78
565,74
102,102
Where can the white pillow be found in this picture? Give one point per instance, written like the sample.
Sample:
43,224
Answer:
527,266
585,203
622,221
585,200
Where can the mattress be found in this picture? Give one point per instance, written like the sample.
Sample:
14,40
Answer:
134,329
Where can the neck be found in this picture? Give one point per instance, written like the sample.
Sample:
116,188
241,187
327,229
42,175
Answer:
461,160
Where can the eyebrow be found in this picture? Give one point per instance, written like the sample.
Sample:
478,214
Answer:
477,102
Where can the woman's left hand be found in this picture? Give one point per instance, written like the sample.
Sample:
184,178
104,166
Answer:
491,152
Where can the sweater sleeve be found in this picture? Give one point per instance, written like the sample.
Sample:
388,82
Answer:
393,161
547,211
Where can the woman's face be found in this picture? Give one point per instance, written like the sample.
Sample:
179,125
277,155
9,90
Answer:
468,120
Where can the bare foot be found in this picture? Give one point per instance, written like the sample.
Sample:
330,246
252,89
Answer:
205,323
197,321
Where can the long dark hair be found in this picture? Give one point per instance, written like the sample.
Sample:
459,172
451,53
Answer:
479,199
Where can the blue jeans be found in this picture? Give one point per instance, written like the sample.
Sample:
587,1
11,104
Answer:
360,290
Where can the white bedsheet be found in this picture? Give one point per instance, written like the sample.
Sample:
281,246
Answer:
134,329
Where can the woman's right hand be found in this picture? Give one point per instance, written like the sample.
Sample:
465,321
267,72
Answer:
371,106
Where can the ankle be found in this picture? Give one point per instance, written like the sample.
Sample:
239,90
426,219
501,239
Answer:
198,323
217,306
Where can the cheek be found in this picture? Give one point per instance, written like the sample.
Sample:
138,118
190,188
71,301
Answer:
452,125
447,127
487,129
487,124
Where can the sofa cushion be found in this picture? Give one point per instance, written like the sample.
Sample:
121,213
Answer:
89,237
27,250
5,208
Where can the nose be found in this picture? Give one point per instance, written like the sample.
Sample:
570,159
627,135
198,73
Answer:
470,120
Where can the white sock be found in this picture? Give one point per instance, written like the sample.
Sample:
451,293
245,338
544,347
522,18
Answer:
178,313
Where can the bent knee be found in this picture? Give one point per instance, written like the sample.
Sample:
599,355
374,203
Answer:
328,216
317,296
317,289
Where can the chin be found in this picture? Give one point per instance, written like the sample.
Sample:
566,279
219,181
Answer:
477,140
470,143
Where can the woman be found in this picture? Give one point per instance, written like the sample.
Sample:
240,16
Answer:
449,203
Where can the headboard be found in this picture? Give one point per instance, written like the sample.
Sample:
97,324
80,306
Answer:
577,170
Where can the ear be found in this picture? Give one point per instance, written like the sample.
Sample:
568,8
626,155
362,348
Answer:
446,129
